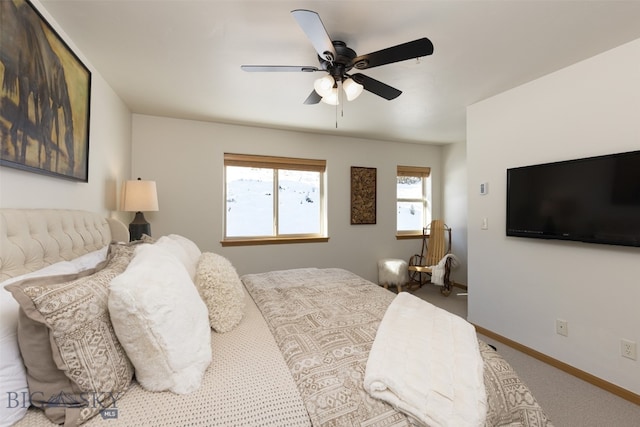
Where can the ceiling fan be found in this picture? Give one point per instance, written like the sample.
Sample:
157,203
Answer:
337,59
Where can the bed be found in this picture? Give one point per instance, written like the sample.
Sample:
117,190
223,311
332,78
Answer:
280,348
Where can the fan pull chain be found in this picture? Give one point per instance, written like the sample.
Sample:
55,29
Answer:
342,95
338,87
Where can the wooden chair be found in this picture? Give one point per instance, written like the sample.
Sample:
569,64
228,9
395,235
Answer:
436,243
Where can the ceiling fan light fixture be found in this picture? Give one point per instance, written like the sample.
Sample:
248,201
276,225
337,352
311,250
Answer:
324,85
352,89
337,59
332,97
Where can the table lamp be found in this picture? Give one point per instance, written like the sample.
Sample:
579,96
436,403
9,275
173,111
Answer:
139,196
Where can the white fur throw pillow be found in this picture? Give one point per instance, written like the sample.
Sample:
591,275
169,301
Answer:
178,251
161,321
192,250
221,290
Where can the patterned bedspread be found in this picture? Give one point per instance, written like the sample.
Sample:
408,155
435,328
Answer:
325,321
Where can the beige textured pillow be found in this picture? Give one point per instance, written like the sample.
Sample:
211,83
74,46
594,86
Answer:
75,364
145,238
221,290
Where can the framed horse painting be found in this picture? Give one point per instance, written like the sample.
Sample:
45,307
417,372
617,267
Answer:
44,97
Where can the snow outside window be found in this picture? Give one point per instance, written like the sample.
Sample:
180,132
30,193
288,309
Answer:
413,206
273,197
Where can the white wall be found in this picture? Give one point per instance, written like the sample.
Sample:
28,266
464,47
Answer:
185,158
518,287
109,158
454,190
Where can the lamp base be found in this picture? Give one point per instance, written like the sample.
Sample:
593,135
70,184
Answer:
138,227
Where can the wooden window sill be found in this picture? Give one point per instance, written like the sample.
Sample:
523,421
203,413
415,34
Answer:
273,241
409,236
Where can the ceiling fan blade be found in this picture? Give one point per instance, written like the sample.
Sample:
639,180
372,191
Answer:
313,98
313,27
401,52
376,87
278,68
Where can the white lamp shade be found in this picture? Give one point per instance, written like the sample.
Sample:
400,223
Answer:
352,89
139,196
324,85
332,97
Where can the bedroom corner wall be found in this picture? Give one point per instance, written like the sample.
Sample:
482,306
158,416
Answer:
187,164
454,191
109,157
518,287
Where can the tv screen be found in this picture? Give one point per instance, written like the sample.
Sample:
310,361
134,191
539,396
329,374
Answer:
595,200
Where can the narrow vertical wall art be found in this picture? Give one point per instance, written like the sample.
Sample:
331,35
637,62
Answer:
363,195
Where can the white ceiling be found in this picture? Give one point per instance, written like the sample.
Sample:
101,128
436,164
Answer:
181,58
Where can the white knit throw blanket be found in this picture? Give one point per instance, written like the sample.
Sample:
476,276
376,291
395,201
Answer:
426,363
438,271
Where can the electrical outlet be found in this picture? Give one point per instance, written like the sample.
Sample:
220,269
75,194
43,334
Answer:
562,327
628,349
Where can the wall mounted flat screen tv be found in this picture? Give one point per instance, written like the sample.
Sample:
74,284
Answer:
594,200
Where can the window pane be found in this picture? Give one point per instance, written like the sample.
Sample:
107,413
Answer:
298,202
249,201
409,187
410,216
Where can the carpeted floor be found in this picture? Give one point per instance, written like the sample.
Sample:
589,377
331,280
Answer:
567,400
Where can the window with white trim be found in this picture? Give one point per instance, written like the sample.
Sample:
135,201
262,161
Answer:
273,198
413,199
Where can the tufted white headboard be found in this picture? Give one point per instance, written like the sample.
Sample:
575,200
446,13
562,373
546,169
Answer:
31,239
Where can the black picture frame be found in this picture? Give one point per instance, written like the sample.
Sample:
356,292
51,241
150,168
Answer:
45,97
